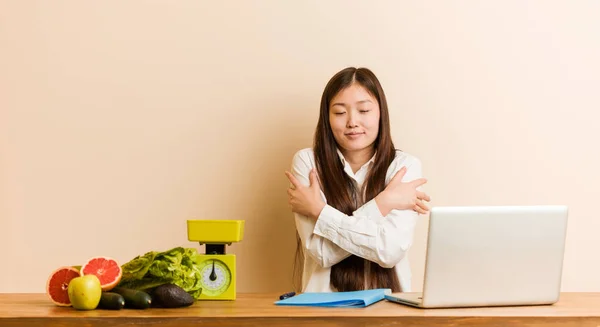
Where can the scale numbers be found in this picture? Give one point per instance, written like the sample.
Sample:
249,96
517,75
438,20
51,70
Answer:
216,277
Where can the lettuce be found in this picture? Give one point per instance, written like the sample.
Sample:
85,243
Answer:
177,266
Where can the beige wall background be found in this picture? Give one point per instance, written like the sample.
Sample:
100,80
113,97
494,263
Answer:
120,120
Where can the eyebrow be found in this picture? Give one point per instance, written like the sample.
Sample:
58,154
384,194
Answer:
343,104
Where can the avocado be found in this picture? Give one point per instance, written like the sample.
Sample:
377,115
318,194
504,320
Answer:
171,296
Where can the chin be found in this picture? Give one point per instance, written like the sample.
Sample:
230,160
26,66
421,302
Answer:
355,147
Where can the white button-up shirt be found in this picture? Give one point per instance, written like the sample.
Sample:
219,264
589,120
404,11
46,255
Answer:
367,233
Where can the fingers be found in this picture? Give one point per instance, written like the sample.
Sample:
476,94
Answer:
423,196
292,179
418,182
290,198
399,175
422,206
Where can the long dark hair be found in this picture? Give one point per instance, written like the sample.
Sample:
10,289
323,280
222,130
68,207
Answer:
340,190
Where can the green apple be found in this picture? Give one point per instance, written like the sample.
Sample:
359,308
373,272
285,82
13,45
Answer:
85,292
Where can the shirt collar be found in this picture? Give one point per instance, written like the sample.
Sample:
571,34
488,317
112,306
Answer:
344,159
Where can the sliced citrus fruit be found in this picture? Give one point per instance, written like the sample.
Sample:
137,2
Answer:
58,284
106,269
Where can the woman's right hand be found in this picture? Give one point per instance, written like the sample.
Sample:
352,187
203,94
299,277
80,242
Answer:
402,196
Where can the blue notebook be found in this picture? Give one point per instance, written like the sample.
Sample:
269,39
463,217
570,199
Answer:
355,299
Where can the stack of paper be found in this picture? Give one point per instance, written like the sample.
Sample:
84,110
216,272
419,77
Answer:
355,299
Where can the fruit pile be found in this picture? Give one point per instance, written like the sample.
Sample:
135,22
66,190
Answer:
95,285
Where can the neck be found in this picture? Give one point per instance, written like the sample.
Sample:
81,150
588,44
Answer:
358,158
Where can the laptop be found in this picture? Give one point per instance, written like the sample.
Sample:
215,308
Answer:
491,256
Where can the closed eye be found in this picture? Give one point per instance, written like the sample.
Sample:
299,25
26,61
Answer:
363,111
338,113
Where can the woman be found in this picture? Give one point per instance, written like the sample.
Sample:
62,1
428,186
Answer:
355,197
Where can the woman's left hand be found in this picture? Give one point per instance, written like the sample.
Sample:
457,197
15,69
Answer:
306,200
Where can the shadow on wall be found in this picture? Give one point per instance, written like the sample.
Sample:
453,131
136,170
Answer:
273,241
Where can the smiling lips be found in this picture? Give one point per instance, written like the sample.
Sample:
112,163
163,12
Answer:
353,135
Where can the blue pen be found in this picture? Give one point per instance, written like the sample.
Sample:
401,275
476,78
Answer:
286,295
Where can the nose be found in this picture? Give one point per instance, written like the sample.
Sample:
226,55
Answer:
351,123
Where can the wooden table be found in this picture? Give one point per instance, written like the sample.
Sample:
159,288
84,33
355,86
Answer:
573,309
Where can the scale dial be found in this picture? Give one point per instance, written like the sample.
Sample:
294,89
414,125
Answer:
215,277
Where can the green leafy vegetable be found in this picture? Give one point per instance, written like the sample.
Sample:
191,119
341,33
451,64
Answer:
177,266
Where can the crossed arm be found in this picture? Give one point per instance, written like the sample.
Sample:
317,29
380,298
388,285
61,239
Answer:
380,231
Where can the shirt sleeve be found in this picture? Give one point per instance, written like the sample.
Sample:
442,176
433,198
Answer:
383,240
367,233
323,251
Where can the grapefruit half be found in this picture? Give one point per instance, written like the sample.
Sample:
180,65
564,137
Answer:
107,270
58,284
